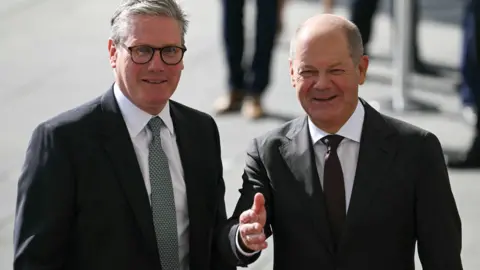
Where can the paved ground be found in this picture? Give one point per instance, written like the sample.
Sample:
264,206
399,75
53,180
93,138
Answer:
54,56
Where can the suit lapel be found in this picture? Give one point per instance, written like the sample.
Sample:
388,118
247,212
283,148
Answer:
196,190
119,147
377,151
299,156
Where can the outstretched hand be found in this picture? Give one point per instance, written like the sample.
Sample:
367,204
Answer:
251,225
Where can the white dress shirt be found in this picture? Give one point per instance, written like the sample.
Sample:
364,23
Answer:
347,153
347,150
136,121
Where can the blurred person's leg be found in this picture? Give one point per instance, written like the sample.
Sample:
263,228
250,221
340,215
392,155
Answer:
468,104
328,6
259,77
362,13
280,9
466,95
234,42
470,72
419,65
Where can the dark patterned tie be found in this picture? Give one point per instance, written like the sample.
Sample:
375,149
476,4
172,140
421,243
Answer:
334,186
162,200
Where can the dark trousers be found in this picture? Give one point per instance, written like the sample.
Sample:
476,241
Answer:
471,65
362,14
255,77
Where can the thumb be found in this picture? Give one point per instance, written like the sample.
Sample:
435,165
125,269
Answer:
258,203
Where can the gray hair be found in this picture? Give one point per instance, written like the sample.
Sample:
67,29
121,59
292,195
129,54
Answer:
354,40
120,19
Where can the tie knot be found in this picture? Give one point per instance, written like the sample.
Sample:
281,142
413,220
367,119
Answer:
332,141
155,124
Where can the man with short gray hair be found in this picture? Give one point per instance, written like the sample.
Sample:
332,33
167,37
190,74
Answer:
132,179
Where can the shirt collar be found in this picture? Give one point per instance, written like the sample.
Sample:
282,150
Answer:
135,118
352,129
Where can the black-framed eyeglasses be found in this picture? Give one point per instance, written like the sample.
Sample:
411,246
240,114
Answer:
170,55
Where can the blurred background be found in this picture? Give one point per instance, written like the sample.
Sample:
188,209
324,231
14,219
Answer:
53,56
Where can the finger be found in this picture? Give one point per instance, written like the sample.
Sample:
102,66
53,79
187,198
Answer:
255,242
258,203
251,229
256,239
248,216
258,247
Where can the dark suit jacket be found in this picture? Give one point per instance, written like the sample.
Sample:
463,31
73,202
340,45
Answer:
82,201
401,195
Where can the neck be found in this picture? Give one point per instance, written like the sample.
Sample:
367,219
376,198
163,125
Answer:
153,110
328,127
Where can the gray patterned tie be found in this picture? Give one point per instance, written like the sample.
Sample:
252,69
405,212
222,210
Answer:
162,200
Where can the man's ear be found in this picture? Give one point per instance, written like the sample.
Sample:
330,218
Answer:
292,73
362,69
112,50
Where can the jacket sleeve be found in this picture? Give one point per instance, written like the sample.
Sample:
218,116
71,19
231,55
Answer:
438,222
45,199
219,262
255,179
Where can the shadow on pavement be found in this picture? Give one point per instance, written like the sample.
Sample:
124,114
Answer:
453,154
426,86
268,115
414,106
444,11
388,60
278,117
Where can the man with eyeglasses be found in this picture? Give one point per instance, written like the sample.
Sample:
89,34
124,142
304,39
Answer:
131,180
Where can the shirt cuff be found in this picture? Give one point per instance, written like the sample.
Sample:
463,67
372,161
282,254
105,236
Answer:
244,253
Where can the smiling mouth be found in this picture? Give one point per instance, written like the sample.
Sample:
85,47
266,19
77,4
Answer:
324,99
155,81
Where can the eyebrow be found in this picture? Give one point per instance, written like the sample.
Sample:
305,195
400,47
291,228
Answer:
336,64
307,67
163,46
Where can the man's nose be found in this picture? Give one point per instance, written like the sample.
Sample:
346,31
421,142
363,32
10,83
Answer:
156,64
322,81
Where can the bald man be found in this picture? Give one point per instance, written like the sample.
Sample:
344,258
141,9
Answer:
343,187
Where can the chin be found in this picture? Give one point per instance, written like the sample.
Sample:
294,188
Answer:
325,118
154,99
157,101
323,114
324,110
157,94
